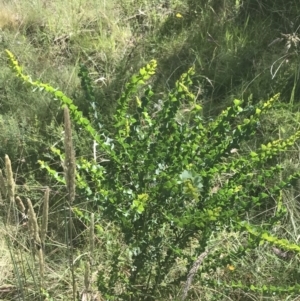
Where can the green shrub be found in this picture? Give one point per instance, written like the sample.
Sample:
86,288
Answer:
163,181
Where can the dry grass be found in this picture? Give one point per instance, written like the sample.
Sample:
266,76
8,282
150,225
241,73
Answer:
9,19
5,258
97,24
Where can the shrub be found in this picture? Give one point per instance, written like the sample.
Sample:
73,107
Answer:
163,181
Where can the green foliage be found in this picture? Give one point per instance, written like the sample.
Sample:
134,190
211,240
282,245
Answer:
158,183
264,289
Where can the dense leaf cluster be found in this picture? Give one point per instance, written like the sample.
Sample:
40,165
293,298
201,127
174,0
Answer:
163,181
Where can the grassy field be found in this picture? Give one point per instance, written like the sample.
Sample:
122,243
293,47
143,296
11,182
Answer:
239,50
